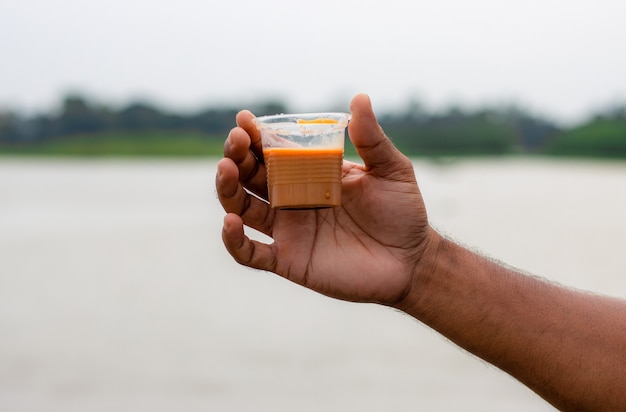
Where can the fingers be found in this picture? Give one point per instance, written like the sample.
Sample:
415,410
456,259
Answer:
245,120
245,251
370,141
234,199
238,147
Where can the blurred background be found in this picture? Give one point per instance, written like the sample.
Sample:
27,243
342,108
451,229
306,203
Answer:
115,289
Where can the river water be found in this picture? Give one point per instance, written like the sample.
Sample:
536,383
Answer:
117,294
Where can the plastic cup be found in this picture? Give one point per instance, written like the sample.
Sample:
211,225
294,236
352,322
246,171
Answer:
303,155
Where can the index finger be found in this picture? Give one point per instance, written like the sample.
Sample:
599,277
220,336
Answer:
245,120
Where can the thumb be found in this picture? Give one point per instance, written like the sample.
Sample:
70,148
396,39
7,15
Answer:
369,139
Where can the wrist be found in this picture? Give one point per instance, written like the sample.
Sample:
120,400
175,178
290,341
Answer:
423,271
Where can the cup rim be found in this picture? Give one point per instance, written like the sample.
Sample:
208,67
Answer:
293,117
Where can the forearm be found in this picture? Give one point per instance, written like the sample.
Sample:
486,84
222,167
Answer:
568,346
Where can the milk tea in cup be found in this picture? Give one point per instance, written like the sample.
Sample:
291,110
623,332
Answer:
303,155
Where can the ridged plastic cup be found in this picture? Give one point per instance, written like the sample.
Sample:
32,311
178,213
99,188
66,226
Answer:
303,154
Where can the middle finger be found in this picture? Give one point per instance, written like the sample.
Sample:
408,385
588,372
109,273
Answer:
254,212
251,169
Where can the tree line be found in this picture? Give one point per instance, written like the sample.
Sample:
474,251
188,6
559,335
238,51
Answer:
415,130
78,115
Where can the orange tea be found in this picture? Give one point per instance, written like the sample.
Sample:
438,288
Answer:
299,178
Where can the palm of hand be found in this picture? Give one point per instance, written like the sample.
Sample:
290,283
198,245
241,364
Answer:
362,251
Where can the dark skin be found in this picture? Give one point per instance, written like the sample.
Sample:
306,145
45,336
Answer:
568,346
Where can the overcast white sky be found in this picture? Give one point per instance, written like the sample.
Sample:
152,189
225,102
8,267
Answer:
560,58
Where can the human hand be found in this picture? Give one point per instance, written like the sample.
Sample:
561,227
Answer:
367,250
